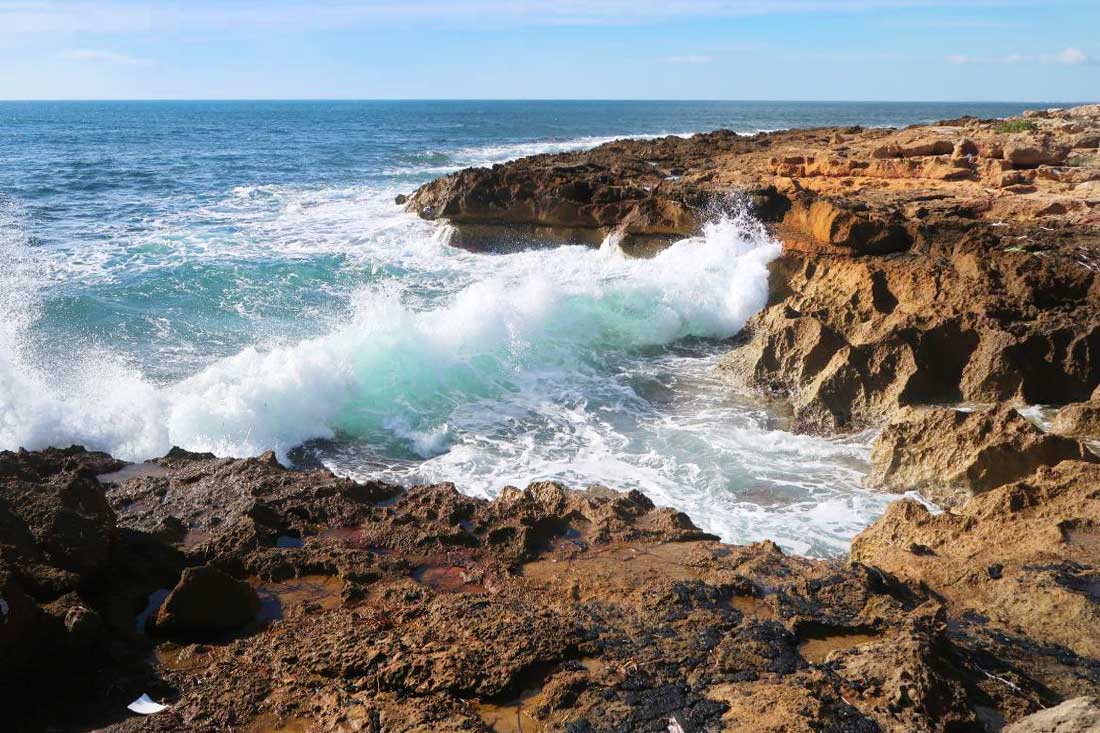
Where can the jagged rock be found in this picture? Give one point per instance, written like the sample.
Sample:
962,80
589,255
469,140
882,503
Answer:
1079,419
950,455
1030,153
573,610
835,191
68,574
206,601
1022,557
1079,715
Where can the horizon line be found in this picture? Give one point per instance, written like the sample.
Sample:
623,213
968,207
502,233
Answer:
535,99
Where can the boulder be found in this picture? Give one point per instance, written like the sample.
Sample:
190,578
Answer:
205,601
949,455
1080,418
1079,715
1029,153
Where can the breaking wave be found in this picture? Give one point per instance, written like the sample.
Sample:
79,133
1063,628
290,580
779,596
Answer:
394,368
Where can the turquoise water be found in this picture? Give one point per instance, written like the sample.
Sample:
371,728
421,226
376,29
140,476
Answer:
235,277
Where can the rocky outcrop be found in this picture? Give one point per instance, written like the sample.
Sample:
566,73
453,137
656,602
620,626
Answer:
848,341
1080,419
935,264
843,190
427,610
1021,558
1080,715
207,601
950,455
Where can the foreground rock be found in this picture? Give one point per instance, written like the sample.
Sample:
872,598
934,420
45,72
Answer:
1080,715
555,610
1079,419
950,455
1023,559
207,601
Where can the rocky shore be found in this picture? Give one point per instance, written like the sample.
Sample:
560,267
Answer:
922,269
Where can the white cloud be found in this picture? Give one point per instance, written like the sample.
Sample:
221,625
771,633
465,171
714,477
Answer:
690,59
1068,56
105,56
1071,56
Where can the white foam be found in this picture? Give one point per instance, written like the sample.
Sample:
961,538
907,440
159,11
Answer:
447,365
539,305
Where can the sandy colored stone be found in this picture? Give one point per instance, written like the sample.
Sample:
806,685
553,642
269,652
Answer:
950,455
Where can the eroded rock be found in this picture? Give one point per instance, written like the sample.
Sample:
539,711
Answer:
207,601
1079,715
950,455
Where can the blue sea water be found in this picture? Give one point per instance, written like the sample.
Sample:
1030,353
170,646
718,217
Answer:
235,277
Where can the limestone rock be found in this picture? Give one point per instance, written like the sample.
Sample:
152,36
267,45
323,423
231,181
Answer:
1021,557
1079,419
206,601
1079,715
950,455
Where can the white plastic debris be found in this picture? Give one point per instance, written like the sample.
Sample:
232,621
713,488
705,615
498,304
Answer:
145,705
674,726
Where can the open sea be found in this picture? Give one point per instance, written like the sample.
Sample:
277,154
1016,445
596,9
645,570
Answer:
235,277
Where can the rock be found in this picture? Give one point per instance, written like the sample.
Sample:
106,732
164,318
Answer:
950,455
848,340
425,609
1079,715
1041,531
1027,153
69,576
207,601
965,148
1079,419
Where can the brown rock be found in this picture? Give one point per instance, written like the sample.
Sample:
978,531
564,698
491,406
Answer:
206,601
1029,153
1079,419
1039,536
1079,715
950,455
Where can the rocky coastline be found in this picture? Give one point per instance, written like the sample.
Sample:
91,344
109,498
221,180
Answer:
935,281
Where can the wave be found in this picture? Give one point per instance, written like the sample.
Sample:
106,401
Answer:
395,370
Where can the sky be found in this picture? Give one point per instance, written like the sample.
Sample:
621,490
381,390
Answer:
966,50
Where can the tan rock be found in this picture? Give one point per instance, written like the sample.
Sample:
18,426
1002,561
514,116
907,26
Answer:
1022,556
1080,419
1079,715
950,455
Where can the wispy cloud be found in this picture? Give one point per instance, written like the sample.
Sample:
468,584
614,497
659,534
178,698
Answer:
1067,57
117,16
689,59
109,57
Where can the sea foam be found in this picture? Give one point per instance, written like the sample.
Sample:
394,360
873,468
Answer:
390,364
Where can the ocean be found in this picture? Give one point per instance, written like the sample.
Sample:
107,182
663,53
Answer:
235,277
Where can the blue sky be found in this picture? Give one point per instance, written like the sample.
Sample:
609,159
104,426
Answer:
1025,50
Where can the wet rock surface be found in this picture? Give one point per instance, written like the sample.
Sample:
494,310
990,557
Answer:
206,601
556,610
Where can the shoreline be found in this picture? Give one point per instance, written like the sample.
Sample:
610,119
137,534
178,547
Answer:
944,264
